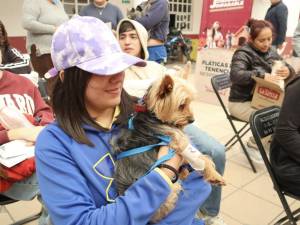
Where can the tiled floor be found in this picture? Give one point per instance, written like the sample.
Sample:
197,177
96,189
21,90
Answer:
248,198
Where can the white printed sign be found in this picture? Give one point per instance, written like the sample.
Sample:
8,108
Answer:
211,62
220,5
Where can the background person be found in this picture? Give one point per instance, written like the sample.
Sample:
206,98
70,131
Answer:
285,146
12,59
254,59
73,155
41,18
277,15
296,40
156,18
133,38
104,11
20,93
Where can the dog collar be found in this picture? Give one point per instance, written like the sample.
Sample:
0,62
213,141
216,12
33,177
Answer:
141,105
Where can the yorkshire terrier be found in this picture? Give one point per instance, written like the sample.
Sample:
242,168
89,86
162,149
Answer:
165,110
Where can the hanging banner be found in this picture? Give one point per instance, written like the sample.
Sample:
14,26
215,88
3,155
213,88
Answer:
222,22
222,30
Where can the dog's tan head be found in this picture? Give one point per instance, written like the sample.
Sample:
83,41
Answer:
169,98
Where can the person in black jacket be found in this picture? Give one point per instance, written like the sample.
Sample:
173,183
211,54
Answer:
12,60
277,14
254,59
285,146
296,40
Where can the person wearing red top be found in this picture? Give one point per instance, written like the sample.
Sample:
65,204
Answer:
21,94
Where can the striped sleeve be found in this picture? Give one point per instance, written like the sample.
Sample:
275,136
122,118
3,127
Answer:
15,60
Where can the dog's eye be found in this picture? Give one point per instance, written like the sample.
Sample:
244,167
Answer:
181,107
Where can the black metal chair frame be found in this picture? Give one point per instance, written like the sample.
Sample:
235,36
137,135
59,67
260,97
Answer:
263,123
42,86
222,82
6,200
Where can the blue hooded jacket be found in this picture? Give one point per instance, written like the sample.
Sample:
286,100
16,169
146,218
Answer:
76,183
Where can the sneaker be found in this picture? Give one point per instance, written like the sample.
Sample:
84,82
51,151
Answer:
251,143
214,220
267,143
255,155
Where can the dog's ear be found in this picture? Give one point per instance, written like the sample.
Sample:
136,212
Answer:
187,70
182,72
166,86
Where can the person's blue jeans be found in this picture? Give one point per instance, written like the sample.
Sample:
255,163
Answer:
209,146
26,190
157,53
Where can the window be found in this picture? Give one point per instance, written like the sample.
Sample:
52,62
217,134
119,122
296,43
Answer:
74,6
181,13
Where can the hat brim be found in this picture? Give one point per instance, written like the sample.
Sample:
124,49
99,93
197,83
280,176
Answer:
113,64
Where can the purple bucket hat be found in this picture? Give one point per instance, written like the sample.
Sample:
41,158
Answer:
87,43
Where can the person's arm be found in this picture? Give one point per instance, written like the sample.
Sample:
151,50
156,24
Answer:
187,204
31,13
43,112
281,17
74,203
296,40
24,133
154,15
287,131
240,72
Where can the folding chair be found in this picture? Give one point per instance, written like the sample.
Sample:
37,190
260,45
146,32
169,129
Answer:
42,85
6,200
222,82
263,123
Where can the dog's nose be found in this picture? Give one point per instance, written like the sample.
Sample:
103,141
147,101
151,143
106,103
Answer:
191,120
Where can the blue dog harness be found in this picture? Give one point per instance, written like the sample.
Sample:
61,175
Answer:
164,141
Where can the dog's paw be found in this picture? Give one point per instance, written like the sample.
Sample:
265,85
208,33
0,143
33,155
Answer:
168,205
179,140
211,174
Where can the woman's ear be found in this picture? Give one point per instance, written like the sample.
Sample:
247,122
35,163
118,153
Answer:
61,75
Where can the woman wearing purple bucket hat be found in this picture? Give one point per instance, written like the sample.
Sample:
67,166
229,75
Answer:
75,165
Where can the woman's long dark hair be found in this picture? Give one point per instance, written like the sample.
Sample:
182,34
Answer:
68,101
4,44
3,36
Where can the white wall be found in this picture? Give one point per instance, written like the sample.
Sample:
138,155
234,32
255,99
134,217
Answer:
10,15
196,12
196,15
11,10
260,8
122,6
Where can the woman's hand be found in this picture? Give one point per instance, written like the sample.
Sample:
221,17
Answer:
175,161
25,133
272,78
283,72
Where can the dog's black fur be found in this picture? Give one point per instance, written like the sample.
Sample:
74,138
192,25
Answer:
145,132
